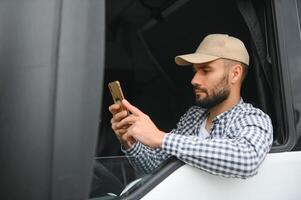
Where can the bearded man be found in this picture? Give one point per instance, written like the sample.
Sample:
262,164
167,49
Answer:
220,134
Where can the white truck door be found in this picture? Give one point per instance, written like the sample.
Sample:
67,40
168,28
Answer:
279,177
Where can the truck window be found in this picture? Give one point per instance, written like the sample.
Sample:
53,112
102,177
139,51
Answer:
142,39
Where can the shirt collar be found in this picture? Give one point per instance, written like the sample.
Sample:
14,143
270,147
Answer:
223,114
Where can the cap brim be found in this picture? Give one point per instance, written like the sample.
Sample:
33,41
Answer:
194,58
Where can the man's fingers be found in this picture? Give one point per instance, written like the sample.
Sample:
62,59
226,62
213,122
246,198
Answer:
119,116
114,108
127,121
114,125
121,131
132,108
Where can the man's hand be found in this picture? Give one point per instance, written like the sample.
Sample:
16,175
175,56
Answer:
120,131
140,127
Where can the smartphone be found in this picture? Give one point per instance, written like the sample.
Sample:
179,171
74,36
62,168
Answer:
116,92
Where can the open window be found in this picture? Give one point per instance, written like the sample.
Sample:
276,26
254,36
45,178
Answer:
144,36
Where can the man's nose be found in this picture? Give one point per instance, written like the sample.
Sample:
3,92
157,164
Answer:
196,79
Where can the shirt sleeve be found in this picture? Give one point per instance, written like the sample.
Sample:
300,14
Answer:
145,159
238,156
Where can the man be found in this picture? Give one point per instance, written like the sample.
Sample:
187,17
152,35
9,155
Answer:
220,134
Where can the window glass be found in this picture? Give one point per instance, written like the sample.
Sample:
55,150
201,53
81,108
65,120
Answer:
112,175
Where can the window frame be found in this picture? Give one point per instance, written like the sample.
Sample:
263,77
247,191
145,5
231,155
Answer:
281,22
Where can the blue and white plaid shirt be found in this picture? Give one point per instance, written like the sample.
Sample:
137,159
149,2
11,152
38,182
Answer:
239,140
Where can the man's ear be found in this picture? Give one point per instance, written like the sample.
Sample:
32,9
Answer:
236,73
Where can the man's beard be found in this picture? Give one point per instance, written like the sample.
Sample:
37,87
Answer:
220,94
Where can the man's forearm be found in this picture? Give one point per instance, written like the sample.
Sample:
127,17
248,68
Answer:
145,159
225,157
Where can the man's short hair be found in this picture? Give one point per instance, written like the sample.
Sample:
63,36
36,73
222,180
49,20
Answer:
230,63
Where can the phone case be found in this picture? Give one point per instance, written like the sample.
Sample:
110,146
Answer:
116,92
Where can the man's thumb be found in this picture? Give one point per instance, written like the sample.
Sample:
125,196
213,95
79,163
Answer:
131,108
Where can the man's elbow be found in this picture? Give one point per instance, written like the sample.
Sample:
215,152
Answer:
251,169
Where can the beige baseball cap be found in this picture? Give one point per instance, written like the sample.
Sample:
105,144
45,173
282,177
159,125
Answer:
215,46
